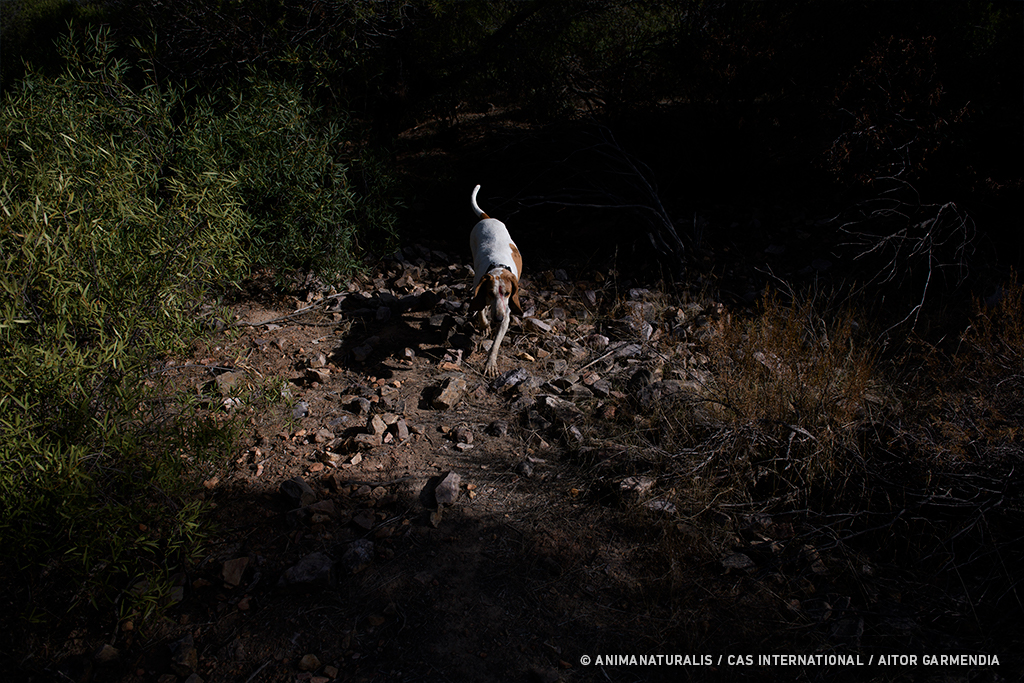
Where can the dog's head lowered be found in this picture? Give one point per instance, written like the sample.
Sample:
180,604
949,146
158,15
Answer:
499,288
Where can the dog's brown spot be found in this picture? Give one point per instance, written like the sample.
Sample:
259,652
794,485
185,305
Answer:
517,258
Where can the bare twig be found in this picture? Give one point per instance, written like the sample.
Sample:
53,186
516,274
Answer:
297,312
941,240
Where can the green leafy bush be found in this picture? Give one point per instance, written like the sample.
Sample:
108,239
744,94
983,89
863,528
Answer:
113,224
310,192
123,201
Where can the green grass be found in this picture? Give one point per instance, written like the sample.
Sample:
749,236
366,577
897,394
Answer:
124,203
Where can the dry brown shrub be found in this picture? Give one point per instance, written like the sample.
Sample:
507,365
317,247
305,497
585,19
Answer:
993,345
973,406
790,382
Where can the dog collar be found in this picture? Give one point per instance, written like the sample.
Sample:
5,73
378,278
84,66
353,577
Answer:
499,265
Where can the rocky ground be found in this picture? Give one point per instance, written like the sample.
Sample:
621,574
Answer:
392,515
397,516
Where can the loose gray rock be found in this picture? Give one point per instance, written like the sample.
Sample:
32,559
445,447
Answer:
184,656
366,440
525,469
578,391
358,556
447,489
498,428
392,401
233,570
364,520
511,378
108,654
298,492
640,379
737,561
536,325
376,425
438,321
451,392
321,375
636,486
661,506
300,410
344,422
317,513
315,569
462,434
361,353
602,388
227,382
309,663
627,351
358,405
639,310
671,387
559,410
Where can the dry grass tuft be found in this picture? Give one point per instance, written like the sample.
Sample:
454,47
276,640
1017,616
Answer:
969,408
797,454
791,384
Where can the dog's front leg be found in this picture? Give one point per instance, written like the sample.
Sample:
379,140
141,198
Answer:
491,368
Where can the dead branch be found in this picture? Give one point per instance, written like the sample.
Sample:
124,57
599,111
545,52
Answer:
911,240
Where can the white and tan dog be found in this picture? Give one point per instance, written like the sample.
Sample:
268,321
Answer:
497,265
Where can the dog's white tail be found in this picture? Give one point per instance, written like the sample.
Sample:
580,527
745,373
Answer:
476,207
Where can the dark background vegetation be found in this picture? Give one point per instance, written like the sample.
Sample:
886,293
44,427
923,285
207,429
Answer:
668,137
738,103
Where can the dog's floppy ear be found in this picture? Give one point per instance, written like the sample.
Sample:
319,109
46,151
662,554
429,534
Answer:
479,300
513,299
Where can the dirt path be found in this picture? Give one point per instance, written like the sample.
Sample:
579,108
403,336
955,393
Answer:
516,579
